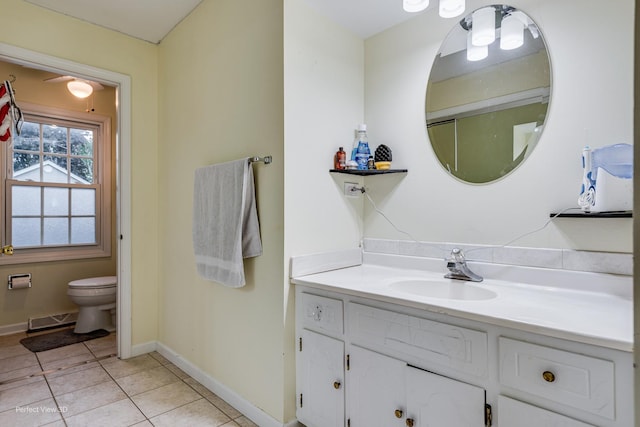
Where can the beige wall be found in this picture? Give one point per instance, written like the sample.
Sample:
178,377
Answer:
37,29
48,293
221,98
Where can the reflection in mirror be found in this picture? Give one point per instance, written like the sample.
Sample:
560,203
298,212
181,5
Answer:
488,94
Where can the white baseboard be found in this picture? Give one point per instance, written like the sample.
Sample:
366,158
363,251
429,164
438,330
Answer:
144,348
249,410
14,329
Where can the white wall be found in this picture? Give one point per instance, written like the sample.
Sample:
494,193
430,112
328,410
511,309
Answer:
591,103
591,50
324,102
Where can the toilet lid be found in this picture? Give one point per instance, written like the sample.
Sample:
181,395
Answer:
95,282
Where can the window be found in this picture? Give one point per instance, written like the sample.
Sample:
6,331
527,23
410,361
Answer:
57,198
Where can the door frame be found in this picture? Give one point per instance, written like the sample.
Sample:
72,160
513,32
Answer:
122,83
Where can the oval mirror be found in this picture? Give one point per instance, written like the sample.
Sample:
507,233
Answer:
488,94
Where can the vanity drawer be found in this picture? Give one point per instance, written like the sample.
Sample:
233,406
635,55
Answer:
514,413
322,313
419,341
583,382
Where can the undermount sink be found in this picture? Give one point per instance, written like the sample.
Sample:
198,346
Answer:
443,289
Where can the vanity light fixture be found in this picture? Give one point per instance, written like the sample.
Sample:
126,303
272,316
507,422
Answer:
451,8
475,53
511,32
415,5
79,89
484,26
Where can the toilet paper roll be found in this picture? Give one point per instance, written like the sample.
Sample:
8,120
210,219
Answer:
20,282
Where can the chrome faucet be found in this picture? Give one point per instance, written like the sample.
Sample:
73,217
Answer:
458,268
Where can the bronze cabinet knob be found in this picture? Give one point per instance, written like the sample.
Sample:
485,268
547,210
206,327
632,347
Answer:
548,376
398,413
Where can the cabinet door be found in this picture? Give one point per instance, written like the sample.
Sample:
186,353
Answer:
320,380
437,401
376,389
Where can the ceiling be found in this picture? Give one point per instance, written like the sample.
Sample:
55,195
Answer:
152,20
149,20
365,17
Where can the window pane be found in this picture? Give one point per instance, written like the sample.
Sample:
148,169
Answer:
25,232
54,169
26,167
56,202
25,201
83,201
56,231
81,171
82,142
54,139
83,230
29,138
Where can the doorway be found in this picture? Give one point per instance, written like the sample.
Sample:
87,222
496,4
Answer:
122,160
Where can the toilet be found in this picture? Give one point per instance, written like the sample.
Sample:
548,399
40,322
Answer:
96,299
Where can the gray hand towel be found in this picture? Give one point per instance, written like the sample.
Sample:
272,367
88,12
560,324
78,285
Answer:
225,221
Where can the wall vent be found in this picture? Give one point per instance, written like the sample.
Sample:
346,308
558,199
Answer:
52,321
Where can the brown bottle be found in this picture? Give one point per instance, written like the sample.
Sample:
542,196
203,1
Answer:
339,159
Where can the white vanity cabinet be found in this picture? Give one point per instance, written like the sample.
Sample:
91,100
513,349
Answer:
320,380
320,361
376,389
369,362
386,392
575,380
514,413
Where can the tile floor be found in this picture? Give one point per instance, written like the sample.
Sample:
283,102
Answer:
86,385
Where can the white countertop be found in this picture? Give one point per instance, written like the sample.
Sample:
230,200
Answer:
590,309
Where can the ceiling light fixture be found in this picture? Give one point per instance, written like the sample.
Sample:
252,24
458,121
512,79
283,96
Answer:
484,26
511,32
451,8
79,89
415,5
475,53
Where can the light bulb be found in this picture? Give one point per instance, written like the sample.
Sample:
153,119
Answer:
511,33
475,53
415,5
451,8
79,88
483,22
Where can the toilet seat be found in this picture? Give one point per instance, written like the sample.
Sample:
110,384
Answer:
104,282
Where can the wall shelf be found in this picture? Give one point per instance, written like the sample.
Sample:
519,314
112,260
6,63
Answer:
613,214
367,172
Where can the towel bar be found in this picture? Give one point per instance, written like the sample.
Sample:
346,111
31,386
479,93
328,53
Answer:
265,159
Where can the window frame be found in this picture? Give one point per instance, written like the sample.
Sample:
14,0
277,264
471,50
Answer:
102,184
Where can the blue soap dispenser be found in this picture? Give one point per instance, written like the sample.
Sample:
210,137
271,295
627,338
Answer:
361,151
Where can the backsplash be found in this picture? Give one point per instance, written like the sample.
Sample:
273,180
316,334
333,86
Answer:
563,259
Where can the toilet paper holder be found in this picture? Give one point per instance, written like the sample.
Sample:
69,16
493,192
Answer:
19,281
